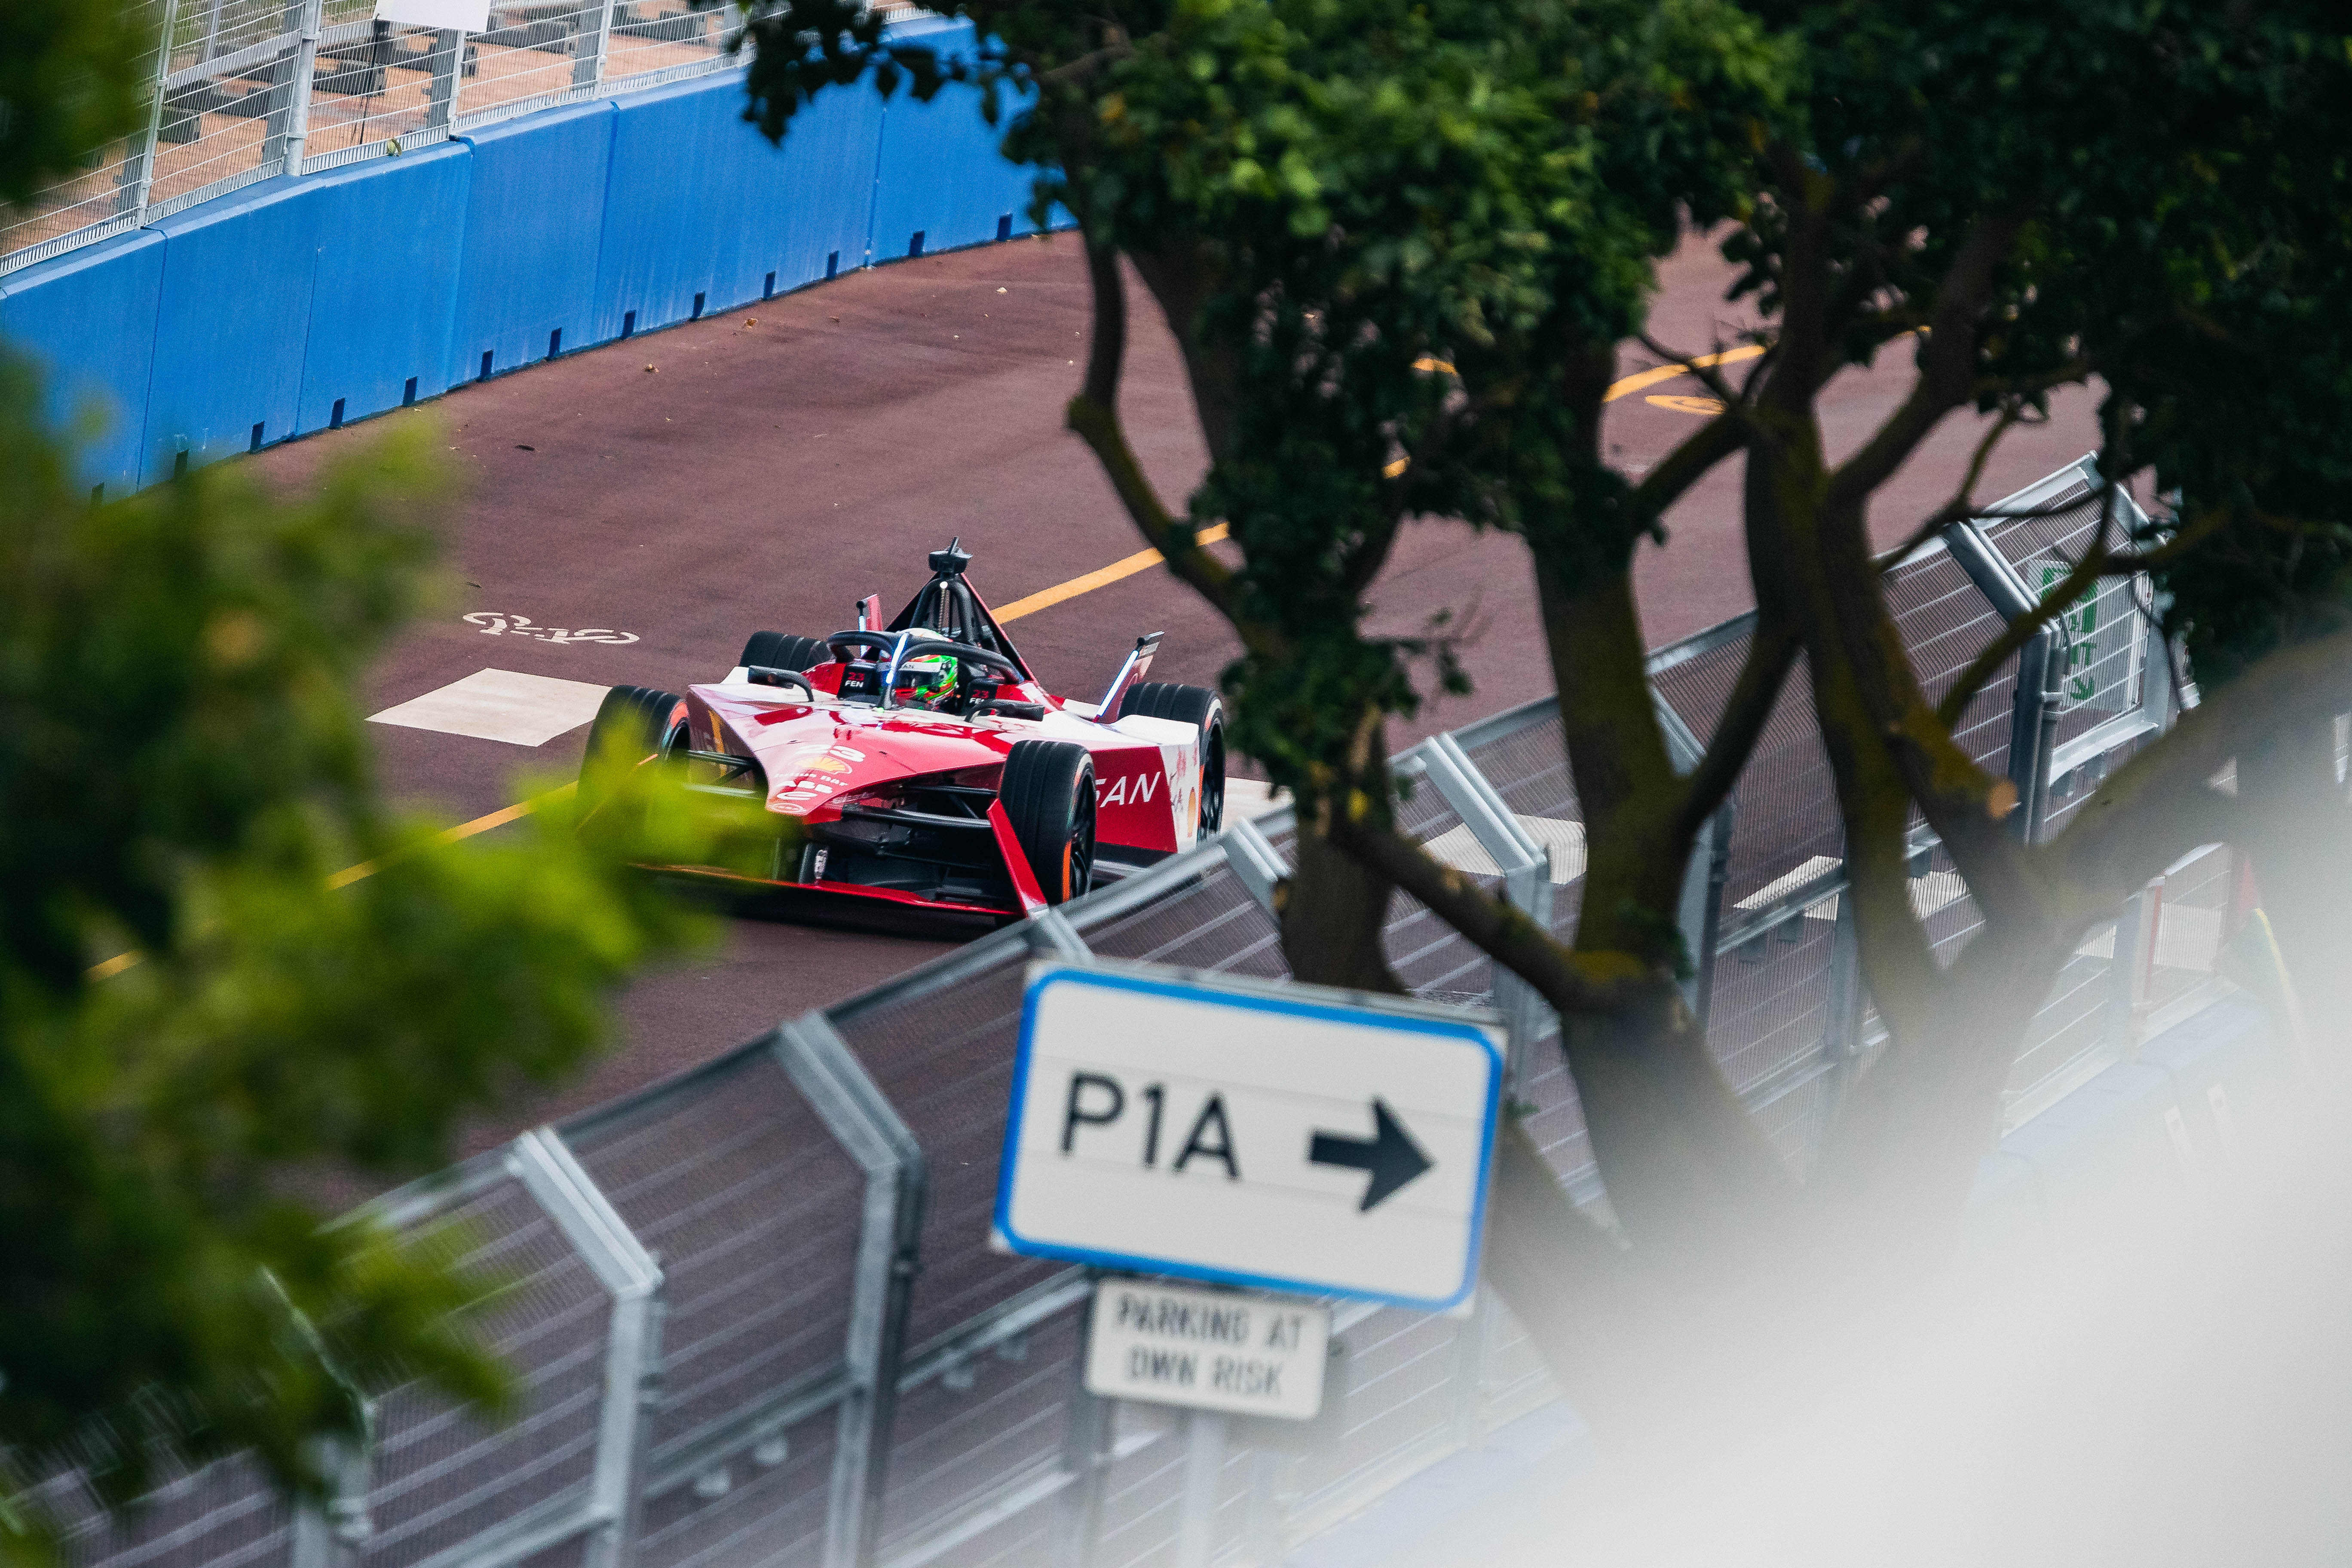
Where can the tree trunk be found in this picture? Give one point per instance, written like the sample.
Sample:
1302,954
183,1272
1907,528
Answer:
1333,911
2300,838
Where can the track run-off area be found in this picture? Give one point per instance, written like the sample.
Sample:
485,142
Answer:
631,513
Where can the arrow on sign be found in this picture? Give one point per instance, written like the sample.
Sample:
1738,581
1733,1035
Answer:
1390,1154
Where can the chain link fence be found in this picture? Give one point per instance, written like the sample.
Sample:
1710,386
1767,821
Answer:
248,90
756,1314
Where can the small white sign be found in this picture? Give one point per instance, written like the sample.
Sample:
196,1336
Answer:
1286,1137
1252,1355
459,15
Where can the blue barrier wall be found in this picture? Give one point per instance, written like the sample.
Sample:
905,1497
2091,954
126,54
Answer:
699,204
233,325
246,320
88,321
385,294
534,226
941,175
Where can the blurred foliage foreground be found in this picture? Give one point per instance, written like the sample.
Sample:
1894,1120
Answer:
193,1023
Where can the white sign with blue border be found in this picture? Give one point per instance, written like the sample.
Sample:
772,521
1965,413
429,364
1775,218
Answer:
1288,1137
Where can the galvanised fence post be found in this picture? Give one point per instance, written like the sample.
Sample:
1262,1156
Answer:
1527,884
2033,714
1846,999
570,1197
1051,935
1087,1419
590,49
1698,915
2034,733
138,176
822,1067
331,1535
448,63
289,111
1255,861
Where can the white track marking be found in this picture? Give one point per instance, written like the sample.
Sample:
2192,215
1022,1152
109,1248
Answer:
499,705
1250,797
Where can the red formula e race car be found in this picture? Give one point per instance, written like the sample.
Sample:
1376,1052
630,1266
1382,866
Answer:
924,767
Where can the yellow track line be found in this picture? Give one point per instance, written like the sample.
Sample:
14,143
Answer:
499,818
1046,599
1641,379
1101,577
1617,389
107,969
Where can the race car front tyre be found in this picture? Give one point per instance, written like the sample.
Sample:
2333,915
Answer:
781,651
632,724
1048,793
1190,705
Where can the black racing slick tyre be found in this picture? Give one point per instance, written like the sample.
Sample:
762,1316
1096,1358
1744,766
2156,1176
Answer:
1190,705
1048,793
632,724
781,651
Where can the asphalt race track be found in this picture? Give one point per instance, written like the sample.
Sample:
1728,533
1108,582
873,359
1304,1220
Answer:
765,468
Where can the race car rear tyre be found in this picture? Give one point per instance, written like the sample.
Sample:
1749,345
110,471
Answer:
632,724
1190,705
781,651
1049,793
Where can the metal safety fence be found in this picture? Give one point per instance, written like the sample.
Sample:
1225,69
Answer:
244,91
756,1312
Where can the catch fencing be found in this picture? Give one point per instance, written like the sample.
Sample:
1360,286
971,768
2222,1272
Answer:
247,90
327,219
756,1313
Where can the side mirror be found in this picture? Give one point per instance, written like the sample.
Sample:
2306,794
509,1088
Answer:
1139,662
761,675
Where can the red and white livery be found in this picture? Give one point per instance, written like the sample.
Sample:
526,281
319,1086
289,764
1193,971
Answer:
920,765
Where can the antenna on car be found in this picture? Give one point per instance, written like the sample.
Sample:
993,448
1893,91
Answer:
950,562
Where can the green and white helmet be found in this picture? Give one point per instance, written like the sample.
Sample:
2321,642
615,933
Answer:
926,679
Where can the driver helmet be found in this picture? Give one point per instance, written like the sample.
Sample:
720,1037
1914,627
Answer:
926,679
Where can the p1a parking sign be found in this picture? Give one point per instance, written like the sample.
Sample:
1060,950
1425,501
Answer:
1288,1137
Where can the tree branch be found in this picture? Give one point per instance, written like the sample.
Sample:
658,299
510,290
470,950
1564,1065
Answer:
2162,802
1086,64
1962,505
1093,413
1703,366
1945,381
1107,354
1571,982
1362,560
2006,386
1771,654
1567,1282
2095,564
1689,462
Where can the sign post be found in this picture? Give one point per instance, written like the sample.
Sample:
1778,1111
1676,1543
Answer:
1239,1132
